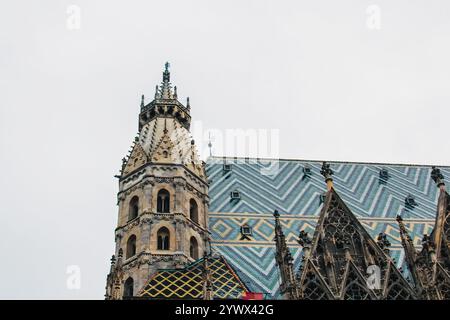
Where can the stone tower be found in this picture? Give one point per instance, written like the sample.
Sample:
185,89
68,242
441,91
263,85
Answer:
162,199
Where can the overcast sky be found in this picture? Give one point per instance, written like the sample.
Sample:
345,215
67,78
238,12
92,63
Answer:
334,85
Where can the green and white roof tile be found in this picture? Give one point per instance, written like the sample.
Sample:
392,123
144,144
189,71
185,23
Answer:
266,185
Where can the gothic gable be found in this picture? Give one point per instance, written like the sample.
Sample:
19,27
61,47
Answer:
396,287
342,251
138,158
312,285
354,285
442,281
164,151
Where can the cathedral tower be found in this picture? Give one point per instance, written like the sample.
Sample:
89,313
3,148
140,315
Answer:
162,199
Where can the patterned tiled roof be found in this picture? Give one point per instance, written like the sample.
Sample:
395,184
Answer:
187,283
266,185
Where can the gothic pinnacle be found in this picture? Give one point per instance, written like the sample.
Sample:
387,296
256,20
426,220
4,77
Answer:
166,91
166,74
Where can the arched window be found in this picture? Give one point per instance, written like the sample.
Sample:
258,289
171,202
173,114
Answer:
163,239
133,208
193,248
131,246
128,287
193,210
163,202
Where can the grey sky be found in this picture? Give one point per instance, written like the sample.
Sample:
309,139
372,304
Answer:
69,102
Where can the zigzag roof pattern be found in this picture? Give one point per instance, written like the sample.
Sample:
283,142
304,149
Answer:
297,196
187,283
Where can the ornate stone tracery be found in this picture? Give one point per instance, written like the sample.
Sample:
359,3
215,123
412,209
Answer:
341,261
430,267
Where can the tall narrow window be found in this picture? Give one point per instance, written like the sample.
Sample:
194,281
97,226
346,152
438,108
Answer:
163,201
193,210
131,246
193,248
133,208
128,288
163,239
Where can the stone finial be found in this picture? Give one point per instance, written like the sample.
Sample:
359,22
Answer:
437,176
427,243
303,238
124,163
383,242
276,214
326,172
166,73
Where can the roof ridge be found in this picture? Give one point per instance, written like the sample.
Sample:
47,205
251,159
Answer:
328,161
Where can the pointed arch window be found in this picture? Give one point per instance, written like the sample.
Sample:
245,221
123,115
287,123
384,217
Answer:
131,246
133,208
128,287
193,210
193,248
163,239
163,201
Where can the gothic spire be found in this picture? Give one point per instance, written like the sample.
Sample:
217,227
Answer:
443,211
283,257
410,251
166,87
165,104
341,251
